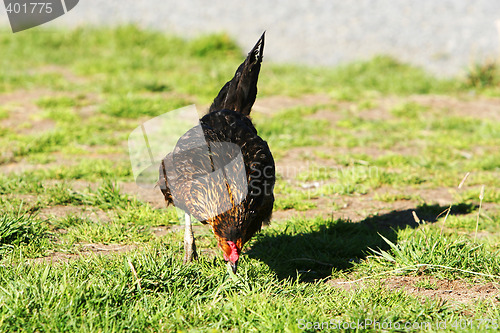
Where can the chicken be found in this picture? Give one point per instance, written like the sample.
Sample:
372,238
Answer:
220,171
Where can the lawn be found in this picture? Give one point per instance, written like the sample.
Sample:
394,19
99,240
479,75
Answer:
387,196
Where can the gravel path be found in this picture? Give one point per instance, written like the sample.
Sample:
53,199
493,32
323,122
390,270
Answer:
443,36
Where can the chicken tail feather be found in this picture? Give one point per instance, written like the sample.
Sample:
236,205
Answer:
239,94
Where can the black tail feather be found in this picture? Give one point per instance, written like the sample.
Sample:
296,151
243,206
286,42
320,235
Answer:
239,94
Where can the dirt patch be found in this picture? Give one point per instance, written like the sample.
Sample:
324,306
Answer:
85,251
58,212
21,97
27,199
463,106
457,291
23,165
24,115
442,196
482,108
426,287
106,248
153,196
324,209
359,207
301,159
330,115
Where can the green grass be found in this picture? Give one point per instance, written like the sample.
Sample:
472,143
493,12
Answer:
22,230
459,255
291,128
84,286
104,293
365,79
409,110
4,114
64,162
51,102
490,195
136,106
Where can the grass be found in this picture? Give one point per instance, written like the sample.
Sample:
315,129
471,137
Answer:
432,250
290,128
20,229
352,171
4,113
358,79
131,106
483,74
162,276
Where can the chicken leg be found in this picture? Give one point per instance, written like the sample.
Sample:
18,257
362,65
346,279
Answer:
189,244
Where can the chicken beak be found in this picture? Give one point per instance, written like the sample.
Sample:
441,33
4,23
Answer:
234,266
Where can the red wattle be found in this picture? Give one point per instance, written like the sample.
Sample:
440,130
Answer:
235,255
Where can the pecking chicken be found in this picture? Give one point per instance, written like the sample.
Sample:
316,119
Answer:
220,171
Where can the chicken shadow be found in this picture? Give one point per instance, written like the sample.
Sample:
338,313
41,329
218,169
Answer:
336,244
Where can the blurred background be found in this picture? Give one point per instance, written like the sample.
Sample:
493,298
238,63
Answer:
444,37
